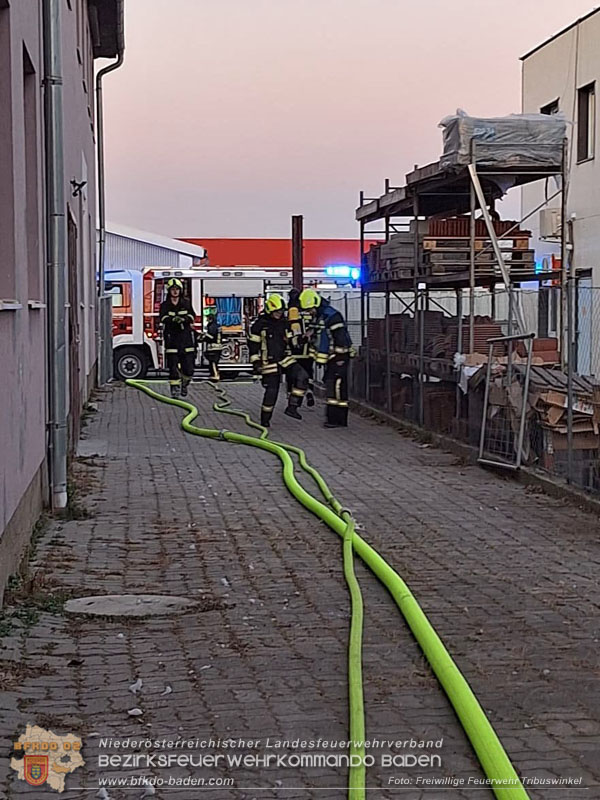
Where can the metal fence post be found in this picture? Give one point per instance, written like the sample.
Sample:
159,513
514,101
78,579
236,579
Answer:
570,369
564,277
420,306
388,368
511,300
486,395
368,349
459,347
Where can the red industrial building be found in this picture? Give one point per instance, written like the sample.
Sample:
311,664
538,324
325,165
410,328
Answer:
278,252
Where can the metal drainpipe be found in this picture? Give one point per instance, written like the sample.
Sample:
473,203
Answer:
56,248
101,181
104,368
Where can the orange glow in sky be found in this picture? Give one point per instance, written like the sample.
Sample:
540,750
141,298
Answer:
228,116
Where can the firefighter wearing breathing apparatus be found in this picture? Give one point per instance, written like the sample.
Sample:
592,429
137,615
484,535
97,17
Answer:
299,323
269,345
213,345
331,346
177,318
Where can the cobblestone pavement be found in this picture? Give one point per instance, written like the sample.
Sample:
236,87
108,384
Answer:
509,578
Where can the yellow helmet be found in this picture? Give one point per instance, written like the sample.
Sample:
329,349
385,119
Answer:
309,299
274,303
174,282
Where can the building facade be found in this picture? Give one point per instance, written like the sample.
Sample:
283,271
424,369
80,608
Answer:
88,29
562,75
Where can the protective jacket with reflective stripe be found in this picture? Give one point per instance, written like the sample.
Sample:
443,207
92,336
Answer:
212,336
331,338
269,343
177,320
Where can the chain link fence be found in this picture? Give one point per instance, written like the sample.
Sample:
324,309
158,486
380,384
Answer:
424,357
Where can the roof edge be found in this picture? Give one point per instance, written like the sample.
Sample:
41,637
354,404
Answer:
560,33
177,245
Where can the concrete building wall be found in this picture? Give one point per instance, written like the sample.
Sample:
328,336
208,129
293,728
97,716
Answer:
79,133
22,326
23,312
555,72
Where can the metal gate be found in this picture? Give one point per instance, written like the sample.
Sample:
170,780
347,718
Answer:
505,401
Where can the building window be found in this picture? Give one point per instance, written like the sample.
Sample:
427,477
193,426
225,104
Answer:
32,183
586,120
7,204
550,108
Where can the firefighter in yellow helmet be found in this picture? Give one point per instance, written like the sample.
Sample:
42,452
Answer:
331,346
177,318
270,354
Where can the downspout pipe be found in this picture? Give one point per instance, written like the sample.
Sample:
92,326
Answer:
104,350
101,175
56,234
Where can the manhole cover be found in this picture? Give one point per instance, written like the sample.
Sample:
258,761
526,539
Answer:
128,605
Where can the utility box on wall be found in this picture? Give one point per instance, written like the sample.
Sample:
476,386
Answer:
550,223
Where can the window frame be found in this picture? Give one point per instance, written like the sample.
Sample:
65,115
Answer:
586,99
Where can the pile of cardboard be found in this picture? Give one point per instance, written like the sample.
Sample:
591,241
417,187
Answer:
551,406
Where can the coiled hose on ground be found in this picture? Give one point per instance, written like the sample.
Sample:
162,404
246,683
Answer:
494,761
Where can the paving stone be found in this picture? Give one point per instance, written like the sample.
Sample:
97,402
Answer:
509,579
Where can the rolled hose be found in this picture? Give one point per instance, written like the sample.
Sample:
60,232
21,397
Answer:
501,775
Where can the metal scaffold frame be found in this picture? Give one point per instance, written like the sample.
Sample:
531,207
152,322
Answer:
432,191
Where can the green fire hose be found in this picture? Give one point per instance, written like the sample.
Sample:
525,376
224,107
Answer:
498,768
357,771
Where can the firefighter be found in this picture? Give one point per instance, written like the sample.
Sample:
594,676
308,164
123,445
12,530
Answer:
269,345
331,346
177,318
213,344
299,326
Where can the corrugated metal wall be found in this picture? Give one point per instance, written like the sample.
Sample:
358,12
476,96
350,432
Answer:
124,253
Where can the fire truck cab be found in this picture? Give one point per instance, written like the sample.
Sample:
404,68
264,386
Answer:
237,294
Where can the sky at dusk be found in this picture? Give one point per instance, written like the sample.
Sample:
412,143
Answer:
229,116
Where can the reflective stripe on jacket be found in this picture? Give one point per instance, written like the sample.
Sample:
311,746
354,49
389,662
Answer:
331,338
269,343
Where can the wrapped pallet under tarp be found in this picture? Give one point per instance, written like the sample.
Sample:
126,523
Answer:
518,141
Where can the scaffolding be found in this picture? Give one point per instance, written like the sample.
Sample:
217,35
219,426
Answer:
465,192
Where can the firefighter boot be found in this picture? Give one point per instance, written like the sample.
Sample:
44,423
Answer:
310,399
265,419
184,387
175,390
292,408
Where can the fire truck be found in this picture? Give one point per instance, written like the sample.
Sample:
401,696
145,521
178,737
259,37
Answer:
238,295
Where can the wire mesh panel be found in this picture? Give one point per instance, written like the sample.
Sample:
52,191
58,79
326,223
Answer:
505,401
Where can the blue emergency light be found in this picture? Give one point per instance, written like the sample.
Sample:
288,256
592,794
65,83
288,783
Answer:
343,271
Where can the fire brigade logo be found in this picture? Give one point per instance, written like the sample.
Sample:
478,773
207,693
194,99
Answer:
47,758
36,770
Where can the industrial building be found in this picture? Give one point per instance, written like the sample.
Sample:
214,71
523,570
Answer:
130,248
318,253
561,75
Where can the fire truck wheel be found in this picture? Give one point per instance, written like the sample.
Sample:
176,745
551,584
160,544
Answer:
130,362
